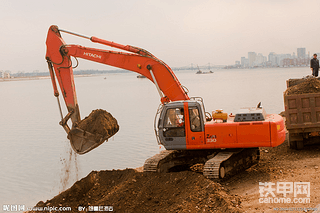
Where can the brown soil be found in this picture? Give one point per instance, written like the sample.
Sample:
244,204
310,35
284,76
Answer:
311,85
278,164
100,122
132,191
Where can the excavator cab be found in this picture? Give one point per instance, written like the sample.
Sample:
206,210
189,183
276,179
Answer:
181,123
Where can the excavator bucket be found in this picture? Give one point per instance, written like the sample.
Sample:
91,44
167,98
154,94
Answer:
92,131
83,142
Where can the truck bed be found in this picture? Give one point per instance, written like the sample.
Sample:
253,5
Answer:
302,111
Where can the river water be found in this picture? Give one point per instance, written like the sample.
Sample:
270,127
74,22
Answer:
34,146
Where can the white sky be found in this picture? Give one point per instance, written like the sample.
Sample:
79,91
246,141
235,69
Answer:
179,32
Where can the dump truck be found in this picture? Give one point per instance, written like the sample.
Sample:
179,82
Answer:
302,111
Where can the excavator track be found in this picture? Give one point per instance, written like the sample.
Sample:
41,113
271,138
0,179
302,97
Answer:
228,163
153,164
212,168
217,163
169,160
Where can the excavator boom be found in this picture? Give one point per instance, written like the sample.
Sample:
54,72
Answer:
135,59
140,61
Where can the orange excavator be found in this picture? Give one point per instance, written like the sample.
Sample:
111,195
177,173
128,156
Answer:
188,133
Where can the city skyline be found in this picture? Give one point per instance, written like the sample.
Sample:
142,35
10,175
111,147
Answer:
299,58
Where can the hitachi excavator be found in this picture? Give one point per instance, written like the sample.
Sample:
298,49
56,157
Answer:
187,132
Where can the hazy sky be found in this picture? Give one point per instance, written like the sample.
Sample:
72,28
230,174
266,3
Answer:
178,32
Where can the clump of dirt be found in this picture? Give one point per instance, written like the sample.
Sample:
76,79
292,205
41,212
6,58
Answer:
283,114
310,85
197,168
131,191
100,122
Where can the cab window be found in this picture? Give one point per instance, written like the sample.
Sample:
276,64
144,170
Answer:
174,118
174,123
195,122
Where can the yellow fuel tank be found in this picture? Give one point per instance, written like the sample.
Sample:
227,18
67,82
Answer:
219,115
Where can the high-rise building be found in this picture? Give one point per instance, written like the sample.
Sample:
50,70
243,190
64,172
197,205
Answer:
260,59
252,57
272,58
301,52
244,62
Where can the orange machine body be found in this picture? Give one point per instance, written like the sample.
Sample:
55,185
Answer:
269,132
230,134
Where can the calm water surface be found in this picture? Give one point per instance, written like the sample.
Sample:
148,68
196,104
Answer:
33,144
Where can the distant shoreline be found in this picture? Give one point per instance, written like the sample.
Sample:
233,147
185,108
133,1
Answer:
23,78
35,78
103,73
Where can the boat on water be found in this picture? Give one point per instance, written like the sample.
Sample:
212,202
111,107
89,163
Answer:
201,72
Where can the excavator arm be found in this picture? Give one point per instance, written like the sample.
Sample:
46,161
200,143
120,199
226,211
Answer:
135,59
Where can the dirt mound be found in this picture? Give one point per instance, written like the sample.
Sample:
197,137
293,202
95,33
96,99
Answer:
310,85
132,191
101,122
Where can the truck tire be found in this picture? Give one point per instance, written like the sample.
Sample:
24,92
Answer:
292,144
299,144
295,141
